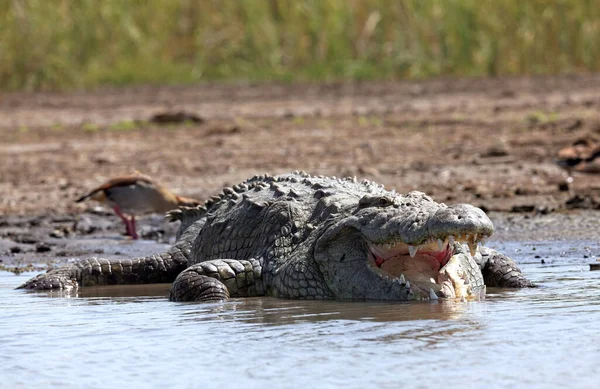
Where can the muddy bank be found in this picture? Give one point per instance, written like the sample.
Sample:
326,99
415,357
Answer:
489,142
41,242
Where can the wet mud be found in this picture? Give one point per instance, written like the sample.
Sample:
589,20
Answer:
488,142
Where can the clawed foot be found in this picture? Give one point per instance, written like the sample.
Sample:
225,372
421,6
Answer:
192,286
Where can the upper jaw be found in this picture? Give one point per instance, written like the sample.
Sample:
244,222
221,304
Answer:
432,224
431,244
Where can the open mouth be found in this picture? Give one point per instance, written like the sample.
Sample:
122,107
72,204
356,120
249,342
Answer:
434,269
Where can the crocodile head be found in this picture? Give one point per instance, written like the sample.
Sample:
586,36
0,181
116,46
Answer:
403,247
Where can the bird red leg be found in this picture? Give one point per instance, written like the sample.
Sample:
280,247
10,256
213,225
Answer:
134,234
125,220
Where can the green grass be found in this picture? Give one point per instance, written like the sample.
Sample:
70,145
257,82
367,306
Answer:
90,127
126,125
541,117
55,44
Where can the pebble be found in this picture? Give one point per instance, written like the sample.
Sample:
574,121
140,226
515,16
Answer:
42,247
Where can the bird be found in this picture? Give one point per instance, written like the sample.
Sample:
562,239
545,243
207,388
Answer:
134,194
582,156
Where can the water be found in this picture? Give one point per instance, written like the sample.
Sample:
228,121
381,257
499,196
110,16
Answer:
132,336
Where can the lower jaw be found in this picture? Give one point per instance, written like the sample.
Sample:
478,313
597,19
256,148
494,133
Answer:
445,291
445,283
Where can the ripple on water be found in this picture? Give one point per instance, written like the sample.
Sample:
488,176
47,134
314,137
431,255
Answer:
542,337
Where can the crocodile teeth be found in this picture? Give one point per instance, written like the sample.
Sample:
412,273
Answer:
482,242
412,250
408,284
472,248
475,238
451,240
432,280
440,244
402,280
432,294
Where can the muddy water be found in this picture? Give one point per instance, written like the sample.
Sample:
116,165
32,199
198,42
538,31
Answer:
122,336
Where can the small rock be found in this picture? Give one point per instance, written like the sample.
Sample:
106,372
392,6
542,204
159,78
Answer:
544,210
520,191
42,247
495,151
522,208
15,249
36,221
176,117
57,234
102,160
150,233
563,187
582,202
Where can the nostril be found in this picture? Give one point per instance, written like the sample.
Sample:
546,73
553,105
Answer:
459,217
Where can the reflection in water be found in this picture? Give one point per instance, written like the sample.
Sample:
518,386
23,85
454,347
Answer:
541,337
110,291
342,317
271,311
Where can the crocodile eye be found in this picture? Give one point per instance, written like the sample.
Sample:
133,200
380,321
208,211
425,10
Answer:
385,202
375,201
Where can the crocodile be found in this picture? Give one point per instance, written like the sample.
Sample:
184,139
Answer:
299,236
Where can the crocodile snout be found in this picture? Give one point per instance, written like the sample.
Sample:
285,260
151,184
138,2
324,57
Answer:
463,221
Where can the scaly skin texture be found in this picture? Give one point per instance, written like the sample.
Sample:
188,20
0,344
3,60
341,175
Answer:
305,237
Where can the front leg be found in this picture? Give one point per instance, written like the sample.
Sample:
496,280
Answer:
218,279
500,270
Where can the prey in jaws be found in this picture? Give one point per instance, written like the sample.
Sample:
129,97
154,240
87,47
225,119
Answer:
299,236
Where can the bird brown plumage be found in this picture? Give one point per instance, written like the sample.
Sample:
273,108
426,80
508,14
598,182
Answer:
135,194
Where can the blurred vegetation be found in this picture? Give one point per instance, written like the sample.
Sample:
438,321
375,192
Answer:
52,44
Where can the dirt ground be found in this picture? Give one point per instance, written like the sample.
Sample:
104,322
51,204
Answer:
488,142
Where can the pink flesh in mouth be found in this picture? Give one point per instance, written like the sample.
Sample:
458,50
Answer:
441,257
